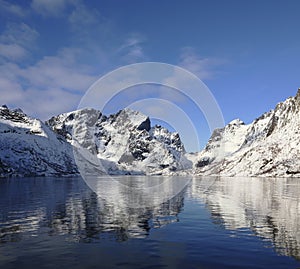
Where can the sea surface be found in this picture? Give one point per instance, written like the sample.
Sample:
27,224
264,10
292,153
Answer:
200,222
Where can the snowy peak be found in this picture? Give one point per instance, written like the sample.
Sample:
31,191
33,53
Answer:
130,119
30,148
269,146
236,122
15,115
124,141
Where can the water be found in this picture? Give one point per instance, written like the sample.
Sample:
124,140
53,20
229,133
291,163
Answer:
211,223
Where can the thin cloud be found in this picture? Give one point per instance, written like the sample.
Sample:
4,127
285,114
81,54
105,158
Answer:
12,52
131,50
61,71
54,83
19,33
16,42
50,86
81,16
49,8
204,68
12,9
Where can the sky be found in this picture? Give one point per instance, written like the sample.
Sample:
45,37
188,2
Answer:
246,52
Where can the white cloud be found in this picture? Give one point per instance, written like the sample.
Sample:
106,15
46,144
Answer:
45,104
82,15
48,87
55,82
78,14
61,71
13,9
204,68
21,34
12,52
131,50
53,8
11,91
16,42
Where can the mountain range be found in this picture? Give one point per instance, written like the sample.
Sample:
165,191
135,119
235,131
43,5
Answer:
87,141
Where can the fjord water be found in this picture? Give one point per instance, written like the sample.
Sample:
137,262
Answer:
211,223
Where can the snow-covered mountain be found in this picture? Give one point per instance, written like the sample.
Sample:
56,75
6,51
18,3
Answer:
28,147
269,146
124,142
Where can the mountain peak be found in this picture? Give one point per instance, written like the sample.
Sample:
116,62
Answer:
297,97
236,122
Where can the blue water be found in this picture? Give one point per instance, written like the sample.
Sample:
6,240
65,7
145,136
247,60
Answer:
211,223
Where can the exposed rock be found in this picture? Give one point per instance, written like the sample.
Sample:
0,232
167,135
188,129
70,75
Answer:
269,146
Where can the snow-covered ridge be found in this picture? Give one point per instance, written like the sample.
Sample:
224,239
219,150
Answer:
122,143
125,142
28,147
269,146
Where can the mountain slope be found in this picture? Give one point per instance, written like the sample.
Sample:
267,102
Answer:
124,142
269,146
30,148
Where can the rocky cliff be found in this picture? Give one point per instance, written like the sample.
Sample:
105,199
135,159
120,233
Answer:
269,146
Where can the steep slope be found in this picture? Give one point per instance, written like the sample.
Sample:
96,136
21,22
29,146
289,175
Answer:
269,146
123,142
30,148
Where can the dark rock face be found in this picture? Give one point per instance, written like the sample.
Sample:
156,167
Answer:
15,115
146,125
272,125
203,162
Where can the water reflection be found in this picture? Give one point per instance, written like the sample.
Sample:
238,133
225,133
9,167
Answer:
269,207
69,207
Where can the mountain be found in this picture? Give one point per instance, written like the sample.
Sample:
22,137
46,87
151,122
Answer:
28,147
269,146
124,142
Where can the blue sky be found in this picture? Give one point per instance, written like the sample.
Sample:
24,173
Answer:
246,52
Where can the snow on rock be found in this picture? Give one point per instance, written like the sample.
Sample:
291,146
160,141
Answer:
269,146
30,148
123,142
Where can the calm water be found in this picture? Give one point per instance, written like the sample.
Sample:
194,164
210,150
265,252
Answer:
212,223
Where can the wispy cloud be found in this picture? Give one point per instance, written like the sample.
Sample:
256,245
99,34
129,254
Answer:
52,85
81,15
16,42
55,82
77,13
49,8
203,67
19,33
61,71
12,52
12,9
132,49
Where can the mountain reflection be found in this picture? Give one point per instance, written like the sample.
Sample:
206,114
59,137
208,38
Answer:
267,206
68,207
